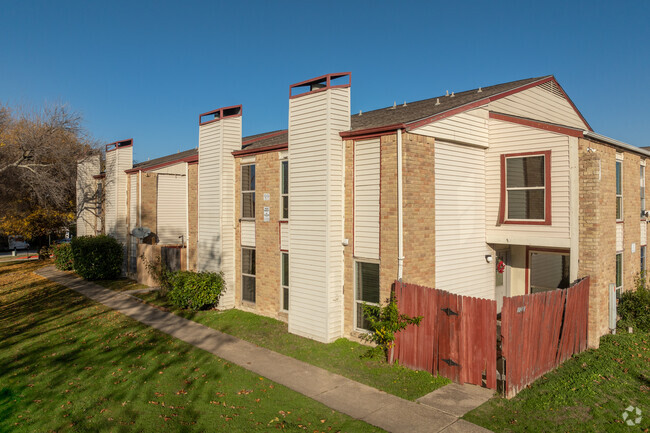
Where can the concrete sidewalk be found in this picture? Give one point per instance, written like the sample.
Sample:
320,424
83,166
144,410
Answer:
337,392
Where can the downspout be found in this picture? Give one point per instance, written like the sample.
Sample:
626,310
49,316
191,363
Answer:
400,225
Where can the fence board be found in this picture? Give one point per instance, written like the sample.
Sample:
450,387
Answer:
468,338
540,331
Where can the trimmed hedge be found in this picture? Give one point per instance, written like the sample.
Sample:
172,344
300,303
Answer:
196,291
97,257
63,258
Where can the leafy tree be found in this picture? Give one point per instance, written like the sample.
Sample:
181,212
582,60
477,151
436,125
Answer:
38,157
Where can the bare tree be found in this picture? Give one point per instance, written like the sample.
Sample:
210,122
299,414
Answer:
38,158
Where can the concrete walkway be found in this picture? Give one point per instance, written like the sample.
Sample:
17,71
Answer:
337,392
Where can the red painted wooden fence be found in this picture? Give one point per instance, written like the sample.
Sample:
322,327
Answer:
540,331
456,338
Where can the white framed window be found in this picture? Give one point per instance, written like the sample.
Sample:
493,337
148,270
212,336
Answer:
284,189
619,190
526,190
248,191
248,274
285,281
642,189
619,274
366,291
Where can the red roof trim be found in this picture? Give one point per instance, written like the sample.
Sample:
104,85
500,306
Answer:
426,121
263,137
381,130
275,147
188,159
119,144
535,124
221,116
328,78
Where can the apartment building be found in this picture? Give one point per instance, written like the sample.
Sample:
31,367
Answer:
492,192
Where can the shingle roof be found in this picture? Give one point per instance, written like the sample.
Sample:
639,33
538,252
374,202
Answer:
426,108
272,138
165,159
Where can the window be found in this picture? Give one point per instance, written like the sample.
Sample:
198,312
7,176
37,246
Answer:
248,274
642,254
284,189
248,191
619,190
642,183
548,271
285,281
367,290
619,273
525,194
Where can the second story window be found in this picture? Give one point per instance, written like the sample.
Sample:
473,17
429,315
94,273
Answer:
248,191
525,195
284,189
619,190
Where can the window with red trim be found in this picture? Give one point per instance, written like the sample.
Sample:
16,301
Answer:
526,188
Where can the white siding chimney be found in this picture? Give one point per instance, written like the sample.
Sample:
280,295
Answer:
86,191
219,135
316,193
119,157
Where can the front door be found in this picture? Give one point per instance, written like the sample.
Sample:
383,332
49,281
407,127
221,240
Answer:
501,276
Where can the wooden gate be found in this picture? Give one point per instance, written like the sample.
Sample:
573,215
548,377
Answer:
542,330
456,338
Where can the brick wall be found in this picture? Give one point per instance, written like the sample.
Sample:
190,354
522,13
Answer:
418,213
148,202
193,214
268,292
597,231
419,210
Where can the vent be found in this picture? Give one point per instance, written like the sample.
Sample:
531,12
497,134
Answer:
552,88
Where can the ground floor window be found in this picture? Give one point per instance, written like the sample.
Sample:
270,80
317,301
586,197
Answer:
548,271
619,273
366,290
248,274
285,281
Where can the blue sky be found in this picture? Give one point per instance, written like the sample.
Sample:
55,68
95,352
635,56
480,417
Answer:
147,69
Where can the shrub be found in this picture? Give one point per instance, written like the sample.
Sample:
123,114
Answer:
63,259
159,272
196,291
97,257
385,322
634,306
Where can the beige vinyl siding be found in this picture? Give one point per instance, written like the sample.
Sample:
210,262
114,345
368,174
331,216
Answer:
133,202
543,102
366,199
171,208
316,212
619,237
644,233
125,162
216,240
248,234
284,236
171,169
460,247
469,127
511,138
86,201
110,193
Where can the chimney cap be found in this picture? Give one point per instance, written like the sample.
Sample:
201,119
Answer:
318,84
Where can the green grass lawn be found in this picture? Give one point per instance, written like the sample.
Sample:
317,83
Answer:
588,393
343,356
70,364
